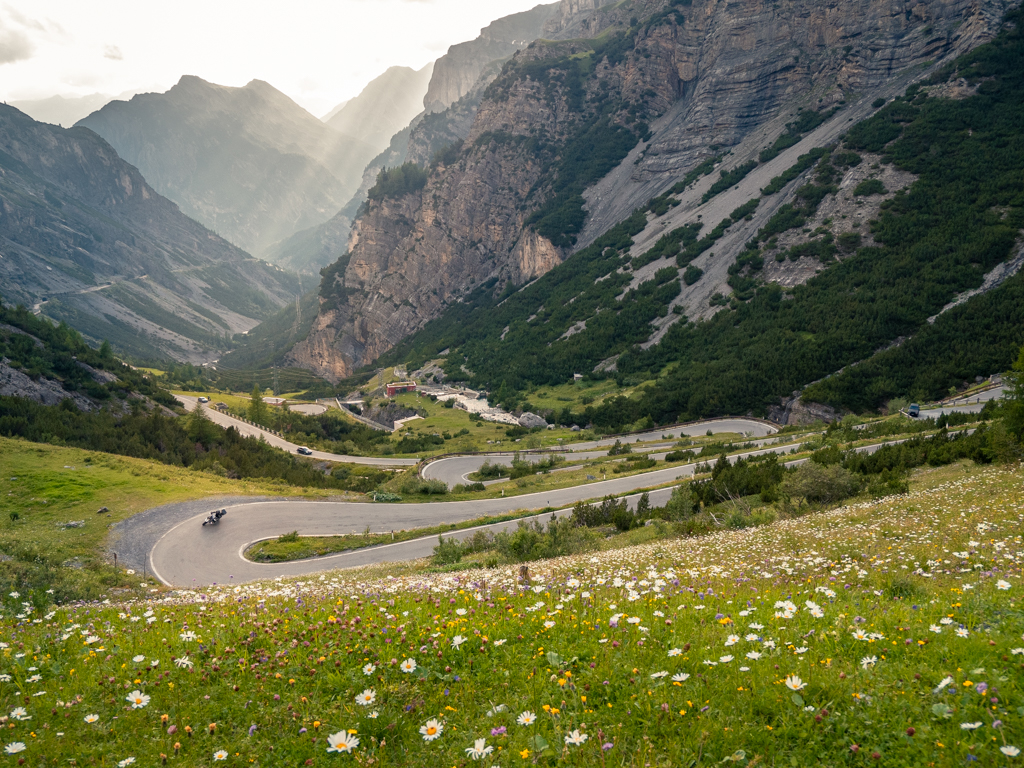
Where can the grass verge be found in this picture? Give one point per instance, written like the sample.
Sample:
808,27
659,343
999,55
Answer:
51,536
881,633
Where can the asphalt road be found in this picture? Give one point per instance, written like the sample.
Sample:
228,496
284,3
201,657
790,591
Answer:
456,469
225,420
189,554
972,404
184,553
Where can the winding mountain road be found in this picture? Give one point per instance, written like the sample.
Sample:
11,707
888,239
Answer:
456,469
251,430
172,544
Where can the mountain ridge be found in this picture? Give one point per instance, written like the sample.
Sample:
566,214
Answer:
384,107
84,238
248,162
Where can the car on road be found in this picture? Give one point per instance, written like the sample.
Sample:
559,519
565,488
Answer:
914,411
304,451
204,399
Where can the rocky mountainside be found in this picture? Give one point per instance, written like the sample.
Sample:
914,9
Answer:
574,135
247,162
318,246
457,84
84,238
869,251
384,107
457,71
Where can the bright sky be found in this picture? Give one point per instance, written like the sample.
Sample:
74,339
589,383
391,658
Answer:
319,52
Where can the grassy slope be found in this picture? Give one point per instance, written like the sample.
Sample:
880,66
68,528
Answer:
277,667
47,485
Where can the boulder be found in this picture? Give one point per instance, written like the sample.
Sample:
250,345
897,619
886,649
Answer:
531,420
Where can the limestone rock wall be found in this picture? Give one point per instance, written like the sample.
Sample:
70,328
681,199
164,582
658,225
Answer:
711,75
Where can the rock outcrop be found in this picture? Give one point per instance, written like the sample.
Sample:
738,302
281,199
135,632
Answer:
706,76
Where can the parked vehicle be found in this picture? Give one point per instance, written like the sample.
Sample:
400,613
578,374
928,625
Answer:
914,410
304,451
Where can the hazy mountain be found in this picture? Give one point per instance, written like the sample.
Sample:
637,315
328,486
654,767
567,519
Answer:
336,110
384,107
84,238
66,110
248,162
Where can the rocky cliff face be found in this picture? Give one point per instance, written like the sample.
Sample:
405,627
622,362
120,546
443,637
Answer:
457,71
743,69
709,74
248,162
85,239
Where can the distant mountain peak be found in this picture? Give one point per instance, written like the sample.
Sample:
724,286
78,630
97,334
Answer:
246,161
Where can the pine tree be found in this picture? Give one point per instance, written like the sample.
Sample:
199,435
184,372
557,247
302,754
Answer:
1015,400
200,428
257,408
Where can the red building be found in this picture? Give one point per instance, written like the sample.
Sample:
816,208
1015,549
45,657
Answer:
400,386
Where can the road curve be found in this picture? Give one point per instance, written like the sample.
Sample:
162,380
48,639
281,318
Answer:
964,405
190,554
456,469
250,430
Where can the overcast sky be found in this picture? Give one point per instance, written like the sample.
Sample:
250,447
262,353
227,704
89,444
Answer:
319,52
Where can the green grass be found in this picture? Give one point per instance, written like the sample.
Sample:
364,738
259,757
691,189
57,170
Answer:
47,486
304,547
274,670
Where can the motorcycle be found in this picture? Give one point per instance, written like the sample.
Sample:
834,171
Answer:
214,517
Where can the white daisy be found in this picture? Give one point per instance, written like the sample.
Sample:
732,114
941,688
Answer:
137,699
576,738
342,741
479,750
432,730
366,698
794,683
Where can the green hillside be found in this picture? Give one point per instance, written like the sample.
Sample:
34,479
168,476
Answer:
935,240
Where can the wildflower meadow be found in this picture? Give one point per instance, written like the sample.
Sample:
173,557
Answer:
882,633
